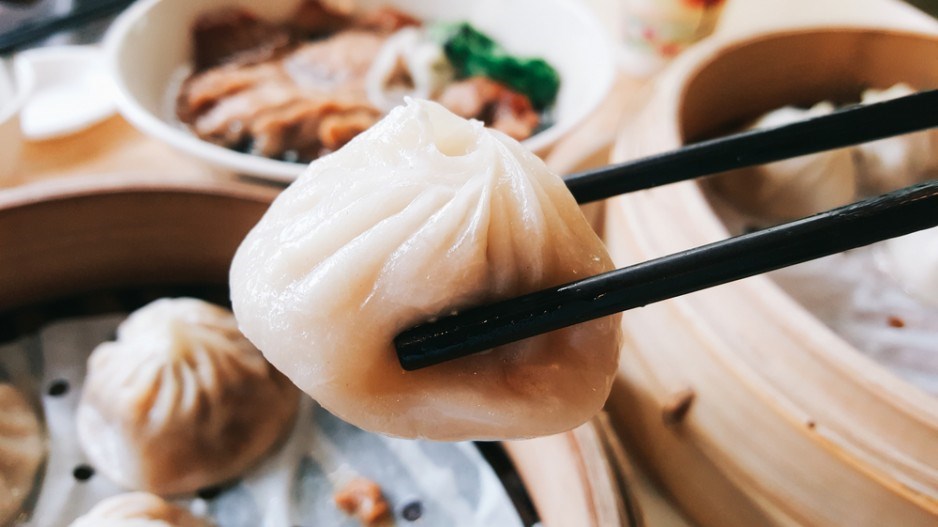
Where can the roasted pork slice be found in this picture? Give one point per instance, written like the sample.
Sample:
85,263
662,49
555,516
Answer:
306,103
228,121
341,127
290,132
313,18
200,92
306,129
514,115
232,35
336,63
339,62
492,103
386,20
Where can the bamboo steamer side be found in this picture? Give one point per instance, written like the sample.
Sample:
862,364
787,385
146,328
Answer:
67,237
745,407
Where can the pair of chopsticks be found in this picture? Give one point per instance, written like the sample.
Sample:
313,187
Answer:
83,13
890,215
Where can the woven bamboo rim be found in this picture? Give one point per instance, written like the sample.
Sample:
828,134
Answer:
745,407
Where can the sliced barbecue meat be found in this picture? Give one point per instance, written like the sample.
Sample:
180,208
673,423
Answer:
315,19
232,35
385,20
494,104
306,103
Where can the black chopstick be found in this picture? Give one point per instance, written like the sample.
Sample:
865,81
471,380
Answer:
846,127
82,14
480,328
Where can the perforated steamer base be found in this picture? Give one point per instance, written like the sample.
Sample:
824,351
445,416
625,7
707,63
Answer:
66,239
450,483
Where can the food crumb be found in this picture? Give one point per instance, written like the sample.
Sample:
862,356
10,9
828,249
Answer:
896,322
362,498
412,511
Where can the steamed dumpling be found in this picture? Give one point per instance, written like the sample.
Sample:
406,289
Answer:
421,215
912,261
138,509
899,161
20,451
794,187
181,400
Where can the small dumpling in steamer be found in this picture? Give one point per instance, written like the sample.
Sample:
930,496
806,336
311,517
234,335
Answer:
181,400
138,509
912,262
895,162
21,451
421,215
796,187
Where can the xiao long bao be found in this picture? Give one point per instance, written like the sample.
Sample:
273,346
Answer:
421,215
809,184
181,400
795,187
899,161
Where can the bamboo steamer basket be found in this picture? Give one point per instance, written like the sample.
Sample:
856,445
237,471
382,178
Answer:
747,409
68,237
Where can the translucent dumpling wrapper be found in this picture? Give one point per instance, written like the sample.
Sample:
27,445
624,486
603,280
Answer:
21,451
181,400
794,187
424,214
899,161
138,509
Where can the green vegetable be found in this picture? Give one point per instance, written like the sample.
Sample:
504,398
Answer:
473,53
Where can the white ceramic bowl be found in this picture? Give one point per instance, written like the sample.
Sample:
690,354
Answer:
151,42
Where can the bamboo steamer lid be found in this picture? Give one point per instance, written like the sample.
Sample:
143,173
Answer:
66,237
747,409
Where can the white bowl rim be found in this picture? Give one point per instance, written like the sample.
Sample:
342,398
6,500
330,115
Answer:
286,172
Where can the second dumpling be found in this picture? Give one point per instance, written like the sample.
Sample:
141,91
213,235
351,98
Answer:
795,187
181,400
421,215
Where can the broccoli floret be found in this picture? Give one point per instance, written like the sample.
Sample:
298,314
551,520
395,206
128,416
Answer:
473,53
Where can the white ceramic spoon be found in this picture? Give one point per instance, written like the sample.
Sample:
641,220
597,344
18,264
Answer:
70,90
